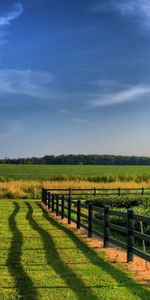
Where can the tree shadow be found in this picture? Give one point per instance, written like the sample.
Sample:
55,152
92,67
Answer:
52,255
23,283
121,277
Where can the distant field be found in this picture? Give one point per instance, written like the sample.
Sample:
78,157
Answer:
65,172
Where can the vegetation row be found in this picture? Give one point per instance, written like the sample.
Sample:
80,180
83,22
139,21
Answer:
80,159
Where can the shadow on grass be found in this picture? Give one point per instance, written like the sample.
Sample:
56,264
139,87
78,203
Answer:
68,276
120,276
24,285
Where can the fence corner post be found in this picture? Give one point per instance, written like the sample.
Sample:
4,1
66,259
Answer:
45,197
106,227
130,237
43,190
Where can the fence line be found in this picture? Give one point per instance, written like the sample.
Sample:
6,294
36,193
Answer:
97,220
101,191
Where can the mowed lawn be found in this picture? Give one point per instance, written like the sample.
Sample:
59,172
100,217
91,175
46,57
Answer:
41,258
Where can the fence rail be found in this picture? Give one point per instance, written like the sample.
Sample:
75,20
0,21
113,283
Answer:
99,221
101,191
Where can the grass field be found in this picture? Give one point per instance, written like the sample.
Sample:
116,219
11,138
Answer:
92,173
43,259
27,189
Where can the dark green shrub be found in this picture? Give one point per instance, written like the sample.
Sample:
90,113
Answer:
119,201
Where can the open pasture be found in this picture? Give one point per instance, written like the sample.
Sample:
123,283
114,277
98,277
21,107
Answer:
67,172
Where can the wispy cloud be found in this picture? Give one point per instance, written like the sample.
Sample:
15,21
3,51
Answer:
63,111
106,84
79,120
137,9
15,128
7,17
25,82
127,95
83,52
10,15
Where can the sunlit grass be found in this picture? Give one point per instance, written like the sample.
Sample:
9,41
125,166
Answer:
76,172
32,188
42,259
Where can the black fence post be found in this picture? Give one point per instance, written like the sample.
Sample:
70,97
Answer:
43,191
49,199
53,197
78,213
130,237
45,197
90,215
119,191
69,210
70,192
143,191
94,192
57,205
106,227
62,207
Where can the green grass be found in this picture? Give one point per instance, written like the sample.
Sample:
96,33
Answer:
97,173
43,259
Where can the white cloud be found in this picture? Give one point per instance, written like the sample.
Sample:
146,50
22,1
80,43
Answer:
6,19
11,15
25,82
138,9
127,95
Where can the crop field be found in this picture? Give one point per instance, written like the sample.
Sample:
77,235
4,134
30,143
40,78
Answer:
68,172
41,258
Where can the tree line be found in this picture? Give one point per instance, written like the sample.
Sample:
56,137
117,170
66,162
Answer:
80,159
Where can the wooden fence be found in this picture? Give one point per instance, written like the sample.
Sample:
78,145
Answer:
97,220
102,191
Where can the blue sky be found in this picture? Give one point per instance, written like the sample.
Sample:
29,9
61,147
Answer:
74,77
